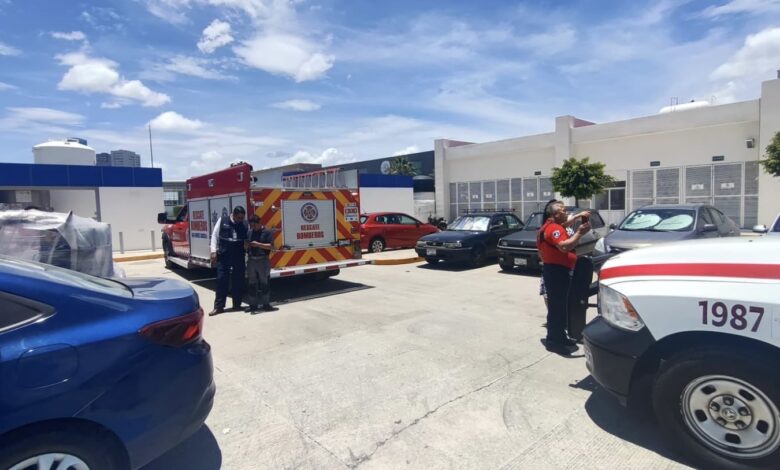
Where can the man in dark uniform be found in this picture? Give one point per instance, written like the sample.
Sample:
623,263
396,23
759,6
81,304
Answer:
260,243
557,251
228,253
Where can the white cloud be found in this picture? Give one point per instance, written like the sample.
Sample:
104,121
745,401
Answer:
216,35
71,36
406,151
558,39
194,67
7,50
171,121
6,86
298,105
97,75
330,156
754,62
742,6
45,116
285,54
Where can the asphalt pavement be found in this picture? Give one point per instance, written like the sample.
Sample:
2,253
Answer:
403,366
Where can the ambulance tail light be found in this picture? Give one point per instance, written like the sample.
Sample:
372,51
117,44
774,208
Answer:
618,311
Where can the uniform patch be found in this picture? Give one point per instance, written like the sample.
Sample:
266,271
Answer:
557,234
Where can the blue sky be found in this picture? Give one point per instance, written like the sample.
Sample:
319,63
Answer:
280,81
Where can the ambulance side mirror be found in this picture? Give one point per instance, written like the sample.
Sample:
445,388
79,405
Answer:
760,229
162,218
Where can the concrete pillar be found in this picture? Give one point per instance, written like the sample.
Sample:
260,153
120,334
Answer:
769,121
441,179
563,147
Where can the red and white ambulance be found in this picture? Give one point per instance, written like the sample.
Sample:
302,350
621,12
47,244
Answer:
316,230
694,328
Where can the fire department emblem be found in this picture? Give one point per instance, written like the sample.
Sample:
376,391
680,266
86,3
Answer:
309,212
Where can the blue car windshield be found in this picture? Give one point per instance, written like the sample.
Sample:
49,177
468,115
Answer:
659,220
470,223
67,277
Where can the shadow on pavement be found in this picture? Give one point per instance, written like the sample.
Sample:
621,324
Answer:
535,273
199,452
630,425
283,290
453,266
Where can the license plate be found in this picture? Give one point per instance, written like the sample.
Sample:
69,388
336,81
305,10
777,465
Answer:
521,262
430,251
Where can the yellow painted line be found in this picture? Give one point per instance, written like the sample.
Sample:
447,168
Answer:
122,259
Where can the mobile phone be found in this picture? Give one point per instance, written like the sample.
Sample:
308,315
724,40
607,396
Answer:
585,219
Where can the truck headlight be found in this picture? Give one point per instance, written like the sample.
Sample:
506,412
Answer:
601,247
617,310
420,244
503,243
453,244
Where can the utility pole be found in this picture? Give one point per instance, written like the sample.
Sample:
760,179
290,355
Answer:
151,151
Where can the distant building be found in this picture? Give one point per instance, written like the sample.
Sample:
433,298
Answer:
103,159
118,158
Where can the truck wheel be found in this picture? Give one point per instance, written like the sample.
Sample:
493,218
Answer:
477,257
167,253
377,245
721,407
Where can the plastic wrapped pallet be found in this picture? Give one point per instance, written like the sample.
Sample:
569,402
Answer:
63,240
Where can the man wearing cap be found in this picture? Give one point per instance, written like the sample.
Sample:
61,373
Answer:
228,253
260,243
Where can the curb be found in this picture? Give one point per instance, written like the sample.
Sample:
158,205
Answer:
138,257
392,262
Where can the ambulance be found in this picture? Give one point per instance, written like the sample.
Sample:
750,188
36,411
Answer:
316,223
693,329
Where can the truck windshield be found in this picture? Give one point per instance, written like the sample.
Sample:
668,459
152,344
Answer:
534,222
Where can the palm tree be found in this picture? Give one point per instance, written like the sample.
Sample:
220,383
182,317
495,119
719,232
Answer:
402,166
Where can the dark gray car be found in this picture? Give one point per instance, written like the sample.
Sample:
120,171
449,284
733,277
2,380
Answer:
663,223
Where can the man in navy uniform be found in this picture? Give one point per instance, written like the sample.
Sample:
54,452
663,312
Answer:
228,253
259,243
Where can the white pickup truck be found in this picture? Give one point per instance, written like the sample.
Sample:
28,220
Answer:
694,328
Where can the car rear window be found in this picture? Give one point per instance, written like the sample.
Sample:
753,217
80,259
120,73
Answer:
67,277
659,220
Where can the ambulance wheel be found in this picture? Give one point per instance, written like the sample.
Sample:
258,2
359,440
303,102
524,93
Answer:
167,255
721,408
377,245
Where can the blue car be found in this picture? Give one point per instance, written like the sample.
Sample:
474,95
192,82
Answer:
97,374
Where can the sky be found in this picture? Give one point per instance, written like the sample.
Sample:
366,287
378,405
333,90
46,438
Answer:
274,82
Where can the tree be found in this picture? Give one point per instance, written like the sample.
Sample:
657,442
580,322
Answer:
580,179
402,166
771,163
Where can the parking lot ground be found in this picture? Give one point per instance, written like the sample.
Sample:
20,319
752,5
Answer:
403,366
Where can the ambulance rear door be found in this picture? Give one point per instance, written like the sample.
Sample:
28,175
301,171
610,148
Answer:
309,223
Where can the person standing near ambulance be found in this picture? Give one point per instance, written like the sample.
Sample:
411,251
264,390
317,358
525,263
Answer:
259,244
228,254
556,248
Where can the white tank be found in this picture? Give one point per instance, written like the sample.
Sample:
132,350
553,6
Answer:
71,151
683,107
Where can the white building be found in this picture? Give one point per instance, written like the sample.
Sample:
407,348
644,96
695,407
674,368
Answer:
690,154
64,178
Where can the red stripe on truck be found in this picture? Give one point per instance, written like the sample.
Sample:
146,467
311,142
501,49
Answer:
750,271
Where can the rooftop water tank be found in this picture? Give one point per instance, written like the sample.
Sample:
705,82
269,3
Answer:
72,151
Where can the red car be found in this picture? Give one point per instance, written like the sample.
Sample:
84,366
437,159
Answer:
380,230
